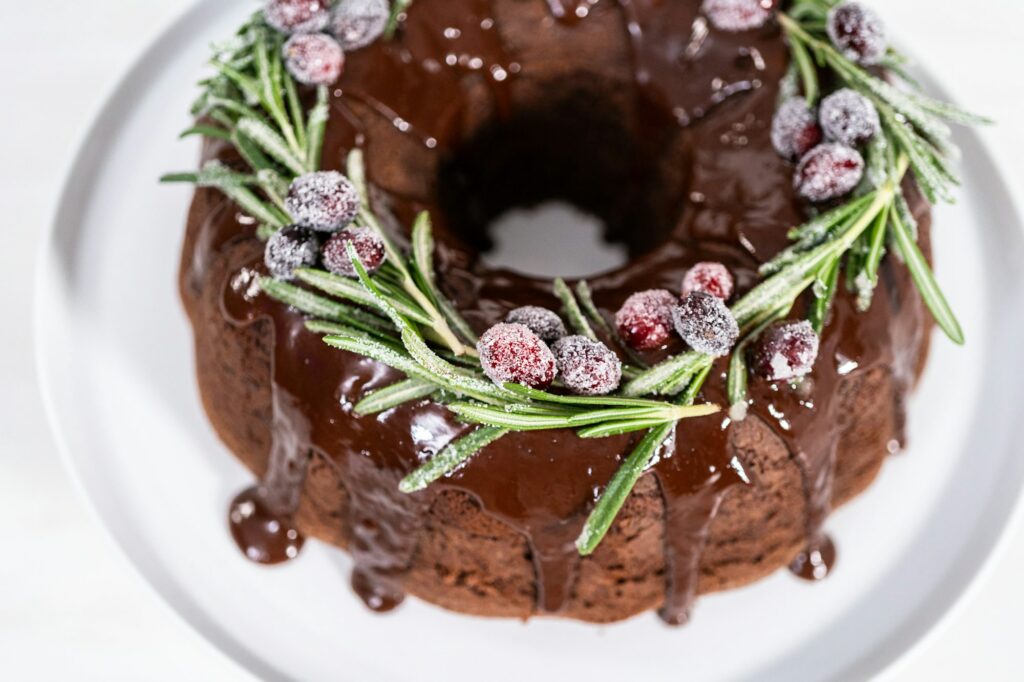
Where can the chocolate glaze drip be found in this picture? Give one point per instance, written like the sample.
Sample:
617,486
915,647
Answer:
691,503
412,104
265,534
815,562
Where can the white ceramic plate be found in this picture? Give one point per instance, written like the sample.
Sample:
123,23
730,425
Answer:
116,366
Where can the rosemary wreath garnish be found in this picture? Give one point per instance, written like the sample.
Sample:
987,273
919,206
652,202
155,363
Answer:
400,317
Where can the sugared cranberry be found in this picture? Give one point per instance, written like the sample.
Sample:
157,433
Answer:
357,23
795,129
786,350
858,32
706,324
849,117
325,200
297,16
290,248
541,321
738,15
511,353
645,320
314,58
828,171
367,243
710,278
587,367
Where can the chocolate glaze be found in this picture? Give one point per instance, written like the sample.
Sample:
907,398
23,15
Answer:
265,534
415,105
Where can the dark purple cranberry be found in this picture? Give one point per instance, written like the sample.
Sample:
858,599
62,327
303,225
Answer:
290,248
314,58
645,320
541,321
828,171
587,367
297,16
786,350
710,278
357,23
367,243
325,200
849,117
706,324
795,129
511,353
857,32
738,15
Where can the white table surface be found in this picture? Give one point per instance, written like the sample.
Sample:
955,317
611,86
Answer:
70,606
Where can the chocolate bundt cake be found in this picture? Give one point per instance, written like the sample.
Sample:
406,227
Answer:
658,119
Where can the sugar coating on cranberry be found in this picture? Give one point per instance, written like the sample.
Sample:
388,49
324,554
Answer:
289,248
828,171
314,58
706,324
645,320
297,16
357,23
325,200
541,321
795,129
849,117
738,15
587,367
786,350
710,278
511,353
858,33
368,245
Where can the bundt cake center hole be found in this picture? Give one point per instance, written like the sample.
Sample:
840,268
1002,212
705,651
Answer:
575,187
552,239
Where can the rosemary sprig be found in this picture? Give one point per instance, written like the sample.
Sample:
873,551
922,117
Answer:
914,129
398,10
577,320
451,458
624,480
394,395
253,103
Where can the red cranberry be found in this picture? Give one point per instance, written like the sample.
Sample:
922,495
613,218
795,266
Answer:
738,15
858,32
786,350
325,200
828,171
357,23
290,248
706,324
795,129
367,243
645,320
511,353
587,367
297,16
849,117
710,278
314,58
541,321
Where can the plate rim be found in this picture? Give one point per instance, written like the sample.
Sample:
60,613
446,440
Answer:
113,105
75,165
